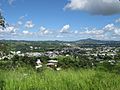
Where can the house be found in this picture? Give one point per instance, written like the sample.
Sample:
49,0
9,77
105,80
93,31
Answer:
39,64
52,64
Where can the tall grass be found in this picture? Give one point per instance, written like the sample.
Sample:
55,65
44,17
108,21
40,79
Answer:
28,79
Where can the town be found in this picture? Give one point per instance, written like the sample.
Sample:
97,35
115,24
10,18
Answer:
58,54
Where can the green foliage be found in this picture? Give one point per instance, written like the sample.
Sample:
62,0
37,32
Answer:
5,64
74,62
108,67
44,59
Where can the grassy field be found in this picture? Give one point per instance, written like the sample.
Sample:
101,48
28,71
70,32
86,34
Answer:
28,79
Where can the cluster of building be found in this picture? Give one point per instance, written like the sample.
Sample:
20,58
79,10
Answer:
89,52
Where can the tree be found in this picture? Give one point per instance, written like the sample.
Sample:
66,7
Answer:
2,21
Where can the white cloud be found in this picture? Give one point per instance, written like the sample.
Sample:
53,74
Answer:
19,22
9,29
76,32
22,17
44,31
96,7
117,31
110,27
107,32
42,28
113,29
118,20
11,2
100,36
59,36
65,29
27,33
29,24
93,32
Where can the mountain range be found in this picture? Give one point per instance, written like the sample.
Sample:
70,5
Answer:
94,41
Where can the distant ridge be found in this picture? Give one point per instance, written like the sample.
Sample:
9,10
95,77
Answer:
82,41
94,41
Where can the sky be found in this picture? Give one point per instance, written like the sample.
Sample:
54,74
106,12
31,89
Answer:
66,20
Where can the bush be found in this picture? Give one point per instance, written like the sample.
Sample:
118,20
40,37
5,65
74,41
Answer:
78,62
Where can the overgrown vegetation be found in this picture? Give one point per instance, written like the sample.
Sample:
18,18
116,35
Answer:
28,79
